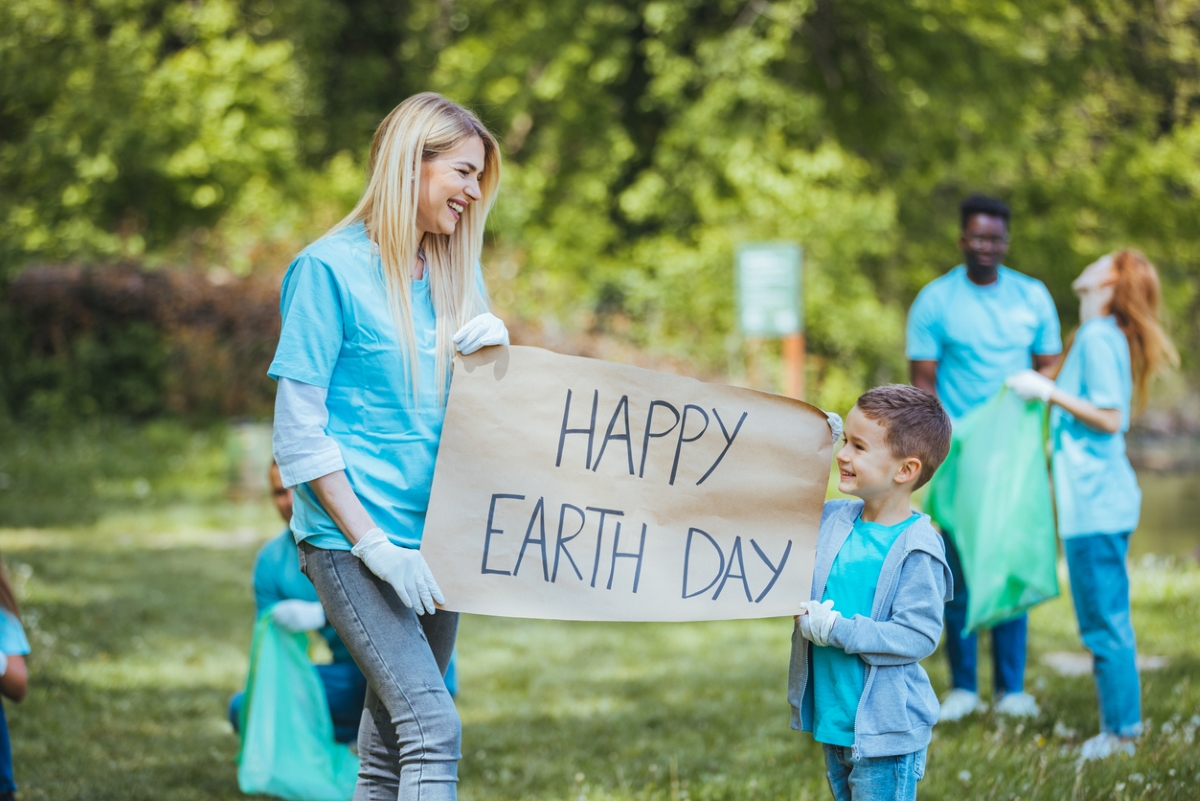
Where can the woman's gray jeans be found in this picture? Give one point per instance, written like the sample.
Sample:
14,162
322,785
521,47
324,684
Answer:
410,734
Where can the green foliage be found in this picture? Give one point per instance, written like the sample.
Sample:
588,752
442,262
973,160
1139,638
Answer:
643,141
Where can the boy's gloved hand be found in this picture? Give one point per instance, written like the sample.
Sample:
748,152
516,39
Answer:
480,331
816,623
835,425
403,568
296,615
1030,385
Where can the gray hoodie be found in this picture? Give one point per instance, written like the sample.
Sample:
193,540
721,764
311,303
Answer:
898,707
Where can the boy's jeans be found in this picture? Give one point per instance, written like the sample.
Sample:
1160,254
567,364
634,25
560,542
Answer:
891,778
1100,590
1008,640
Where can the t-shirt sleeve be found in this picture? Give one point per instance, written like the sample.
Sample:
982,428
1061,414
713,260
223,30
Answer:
266,584
310,337
923,339
1102,384
13,641
1048,340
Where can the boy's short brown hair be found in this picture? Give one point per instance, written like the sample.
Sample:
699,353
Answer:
916,424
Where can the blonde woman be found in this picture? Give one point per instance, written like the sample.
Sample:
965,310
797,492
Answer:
372,313
1118,348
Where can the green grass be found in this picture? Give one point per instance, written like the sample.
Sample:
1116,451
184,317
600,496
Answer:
140,616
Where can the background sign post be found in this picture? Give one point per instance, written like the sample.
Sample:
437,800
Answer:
770,303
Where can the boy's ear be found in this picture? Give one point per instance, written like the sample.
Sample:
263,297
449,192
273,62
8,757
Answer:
910,470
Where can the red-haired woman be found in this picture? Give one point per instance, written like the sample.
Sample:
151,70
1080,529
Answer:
1118,348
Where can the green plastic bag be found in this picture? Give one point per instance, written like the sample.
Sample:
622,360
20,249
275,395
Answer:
992,496
288,748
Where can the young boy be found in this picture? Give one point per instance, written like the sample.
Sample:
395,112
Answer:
879,584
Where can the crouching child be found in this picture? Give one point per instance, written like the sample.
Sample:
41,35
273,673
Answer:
879,585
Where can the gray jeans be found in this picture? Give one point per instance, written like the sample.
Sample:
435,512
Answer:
410,734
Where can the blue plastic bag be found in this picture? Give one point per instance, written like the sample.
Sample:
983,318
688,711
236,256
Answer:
992,497
288,748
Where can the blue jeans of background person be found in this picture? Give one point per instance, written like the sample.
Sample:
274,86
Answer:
345,690
1008,640
1100,591
7,785
873,778
410,735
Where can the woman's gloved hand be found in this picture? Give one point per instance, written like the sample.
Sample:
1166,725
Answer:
403,568
3,663
1030,385
816,622
479,332
296,615
835,425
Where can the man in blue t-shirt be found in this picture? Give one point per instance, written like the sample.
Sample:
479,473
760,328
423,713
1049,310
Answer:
967,332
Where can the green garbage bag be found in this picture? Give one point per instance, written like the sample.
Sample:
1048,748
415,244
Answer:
992,496
288,748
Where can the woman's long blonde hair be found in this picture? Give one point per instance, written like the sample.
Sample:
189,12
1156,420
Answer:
1135,304
1137,296
421,128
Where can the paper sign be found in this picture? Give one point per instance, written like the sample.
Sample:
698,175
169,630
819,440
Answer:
577,489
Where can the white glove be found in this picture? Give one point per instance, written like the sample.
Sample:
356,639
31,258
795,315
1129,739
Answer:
835,425
816,623
1030,385
295,615
403,568
480,331
3,663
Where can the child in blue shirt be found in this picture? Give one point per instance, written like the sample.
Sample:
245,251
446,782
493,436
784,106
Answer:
14,683
879,585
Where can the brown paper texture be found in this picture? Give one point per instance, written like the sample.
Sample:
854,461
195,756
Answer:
576,489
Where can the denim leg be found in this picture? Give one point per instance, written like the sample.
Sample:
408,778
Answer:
1100,591
837,770
962,650
410,734
7,784
892,778
1008,655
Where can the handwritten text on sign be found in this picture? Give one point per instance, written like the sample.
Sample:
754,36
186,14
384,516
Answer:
577,489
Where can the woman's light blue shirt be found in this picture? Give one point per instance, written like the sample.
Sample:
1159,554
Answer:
12,635
1095,488
838,676
338,332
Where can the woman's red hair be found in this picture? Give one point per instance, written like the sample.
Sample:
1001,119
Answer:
1136,301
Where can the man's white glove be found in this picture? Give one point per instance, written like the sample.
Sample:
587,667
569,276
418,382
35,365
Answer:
1031,385
296,615
816,623
479,332
403,568
835,425
3,663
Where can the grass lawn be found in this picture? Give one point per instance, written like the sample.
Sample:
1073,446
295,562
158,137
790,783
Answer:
139,615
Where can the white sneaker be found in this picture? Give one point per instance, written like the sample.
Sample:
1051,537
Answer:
1104,745
1017,705
958,704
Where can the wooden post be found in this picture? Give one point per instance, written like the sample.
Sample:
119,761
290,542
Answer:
793,365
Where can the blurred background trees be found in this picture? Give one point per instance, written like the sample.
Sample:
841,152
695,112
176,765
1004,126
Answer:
642,142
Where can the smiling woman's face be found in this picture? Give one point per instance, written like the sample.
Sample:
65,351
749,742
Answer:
449,183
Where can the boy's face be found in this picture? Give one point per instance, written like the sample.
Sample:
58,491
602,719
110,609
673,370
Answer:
866,465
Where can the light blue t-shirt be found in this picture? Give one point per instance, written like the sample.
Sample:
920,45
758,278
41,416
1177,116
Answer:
980,335
12,635
277,577
1095,488
838,676
338,332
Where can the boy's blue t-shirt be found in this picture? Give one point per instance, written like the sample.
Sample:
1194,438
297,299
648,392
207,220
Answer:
277,577
837,677
338,332
980,335
12,635
1095,488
